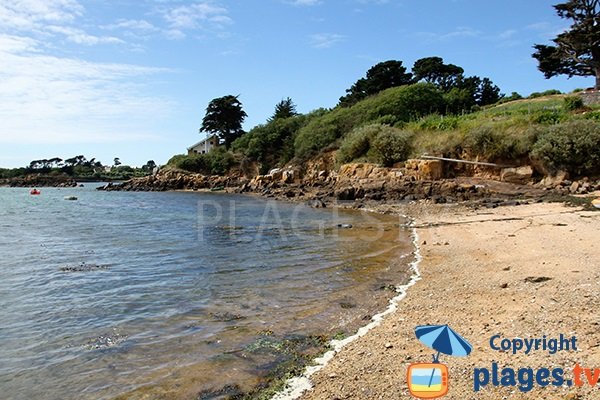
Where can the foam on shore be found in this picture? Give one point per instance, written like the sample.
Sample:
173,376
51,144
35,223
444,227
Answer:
296,386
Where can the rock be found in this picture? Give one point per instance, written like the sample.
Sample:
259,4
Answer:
555,180
537,279
347,193
389,345
574,187
520,175
317,203
344,226
287,176
430,169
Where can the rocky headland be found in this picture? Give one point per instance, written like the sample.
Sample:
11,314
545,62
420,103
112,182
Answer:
319,183
39,180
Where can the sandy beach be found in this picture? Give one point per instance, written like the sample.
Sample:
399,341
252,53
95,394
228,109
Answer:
524,272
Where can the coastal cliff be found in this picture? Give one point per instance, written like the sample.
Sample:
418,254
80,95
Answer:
318,183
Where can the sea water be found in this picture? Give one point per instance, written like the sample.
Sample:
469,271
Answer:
170,294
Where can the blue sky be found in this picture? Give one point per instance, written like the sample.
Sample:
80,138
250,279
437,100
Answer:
132,78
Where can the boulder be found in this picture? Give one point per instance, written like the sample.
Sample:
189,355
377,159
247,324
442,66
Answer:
520,175
287,176
430,169
557,179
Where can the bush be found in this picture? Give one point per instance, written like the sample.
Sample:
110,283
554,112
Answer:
548,117
572,103
271,144
176,159
216,162
550,92
439,123
395,105
357,143
391,146
492,144
377,143
573,146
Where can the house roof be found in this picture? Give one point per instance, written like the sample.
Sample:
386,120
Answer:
202,141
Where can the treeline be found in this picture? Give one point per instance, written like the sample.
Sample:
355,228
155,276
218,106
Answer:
439,115
79,167
387,94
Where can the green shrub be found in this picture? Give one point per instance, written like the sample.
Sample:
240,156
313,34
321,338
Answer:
492,143
573,146
593,115
550,92
391,146
439,123
548,117
216,162
176,159
376,143
193,163
397,105
572,103
357,143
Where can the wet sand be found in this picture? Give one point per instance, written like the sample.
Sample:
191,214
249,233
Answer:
518,272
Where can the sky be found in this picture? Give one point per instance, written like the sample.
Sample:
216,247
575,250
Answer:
132,78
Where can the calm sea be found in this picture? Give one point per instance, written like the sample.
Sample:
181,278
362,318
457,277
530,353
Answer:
163,295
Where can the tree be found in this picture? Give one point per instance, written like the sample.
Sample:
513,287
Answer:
487,93
576,51
433,70
284,109
224,117
149,166
381,76
116,162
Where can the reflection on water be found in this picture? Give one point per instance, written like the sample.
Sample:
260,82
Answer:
172,293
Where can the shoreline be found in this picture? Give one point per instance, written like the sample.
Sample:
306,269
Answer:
297,386
480,275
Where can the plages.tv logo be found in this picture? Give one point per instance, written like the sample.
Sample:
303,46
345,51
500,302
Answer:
430,380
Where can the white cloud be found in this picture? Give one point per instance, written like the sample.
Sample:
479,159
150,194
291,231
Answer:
29,14
460,32
49,99
81,37
198,16
137,25
304,2
325,40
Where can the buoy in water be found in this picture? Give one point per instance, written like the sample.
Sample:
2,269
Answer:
34,192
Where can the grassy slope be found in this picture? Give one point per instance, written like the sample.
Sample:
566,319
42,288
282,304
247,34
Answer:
513,125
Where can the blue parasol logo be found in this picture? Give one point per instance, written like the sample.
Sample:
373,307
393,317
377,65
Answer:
430,380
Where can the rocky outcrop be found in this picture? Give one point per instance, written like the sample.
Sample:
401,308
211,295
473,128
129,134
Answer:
174,179
39,180
317,184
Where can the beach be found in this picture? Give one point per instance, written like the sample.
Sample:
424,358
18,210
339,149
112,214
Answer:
495,275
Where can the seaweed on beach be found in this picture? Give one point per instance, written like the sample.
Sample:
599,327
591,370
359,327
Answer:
292,355
83,267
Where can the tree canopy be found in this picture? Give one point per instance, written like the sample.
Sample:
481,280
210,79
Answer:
381,76
576,52
284,109
433,70
224,117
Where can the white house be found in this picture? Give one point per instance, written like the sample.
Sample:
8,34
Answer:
204,146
